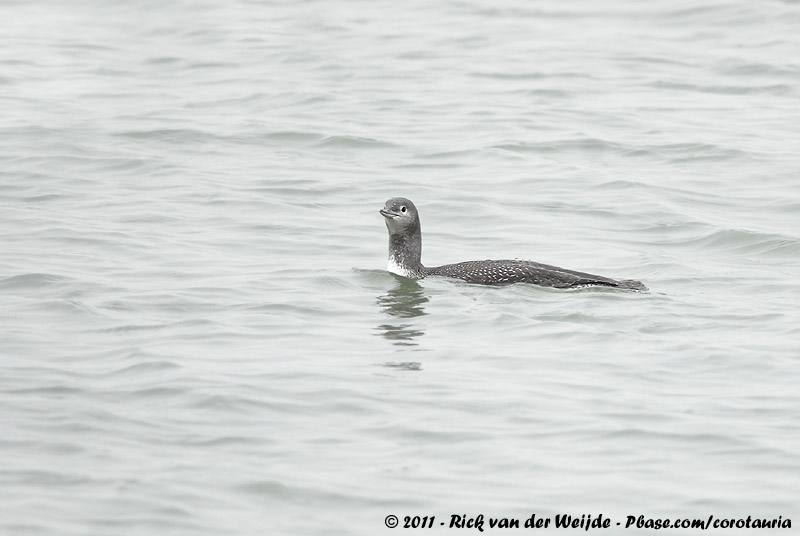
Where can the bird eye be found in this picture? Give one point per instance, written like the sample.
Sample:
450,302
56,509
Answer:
402,209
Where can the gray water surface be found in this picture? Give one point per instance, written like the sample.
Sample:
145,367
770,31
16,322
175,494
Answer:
197,331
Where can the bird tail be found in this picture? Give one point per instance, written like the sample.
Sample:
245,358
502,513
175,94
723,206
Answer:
631,284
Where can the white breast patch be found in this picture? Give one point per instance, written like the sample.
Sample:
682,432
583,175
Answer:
395,268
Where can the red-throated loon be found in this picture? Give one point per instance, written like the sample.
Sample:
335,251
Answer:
405,253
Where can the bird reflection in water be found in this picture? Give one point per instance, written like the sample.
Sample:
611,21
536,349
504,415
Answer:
406,300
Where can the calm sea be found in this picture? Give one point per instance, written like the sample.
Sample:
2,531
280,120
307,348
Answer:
197,331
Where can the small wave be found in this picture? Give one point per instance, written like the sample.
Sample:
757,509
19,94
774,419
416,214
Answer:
147,367
409,366
179,135
769,89
578,144
32,281
354,142
161,392
210,65
698,152
513,76
292,136
738,241
43,198
455,155
189,325
163,60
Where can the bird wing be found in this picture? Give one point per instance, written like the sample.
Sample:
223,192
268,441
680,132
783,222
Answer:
503,272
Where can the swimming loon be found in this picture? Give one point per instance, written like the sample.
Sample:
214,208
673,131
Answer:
405,253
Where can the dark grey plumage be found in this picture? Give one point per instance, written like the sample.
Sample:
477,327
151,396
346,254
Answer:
405,254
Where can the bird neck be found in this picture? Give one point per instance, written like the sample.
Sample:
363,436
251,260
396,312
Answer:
405,253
